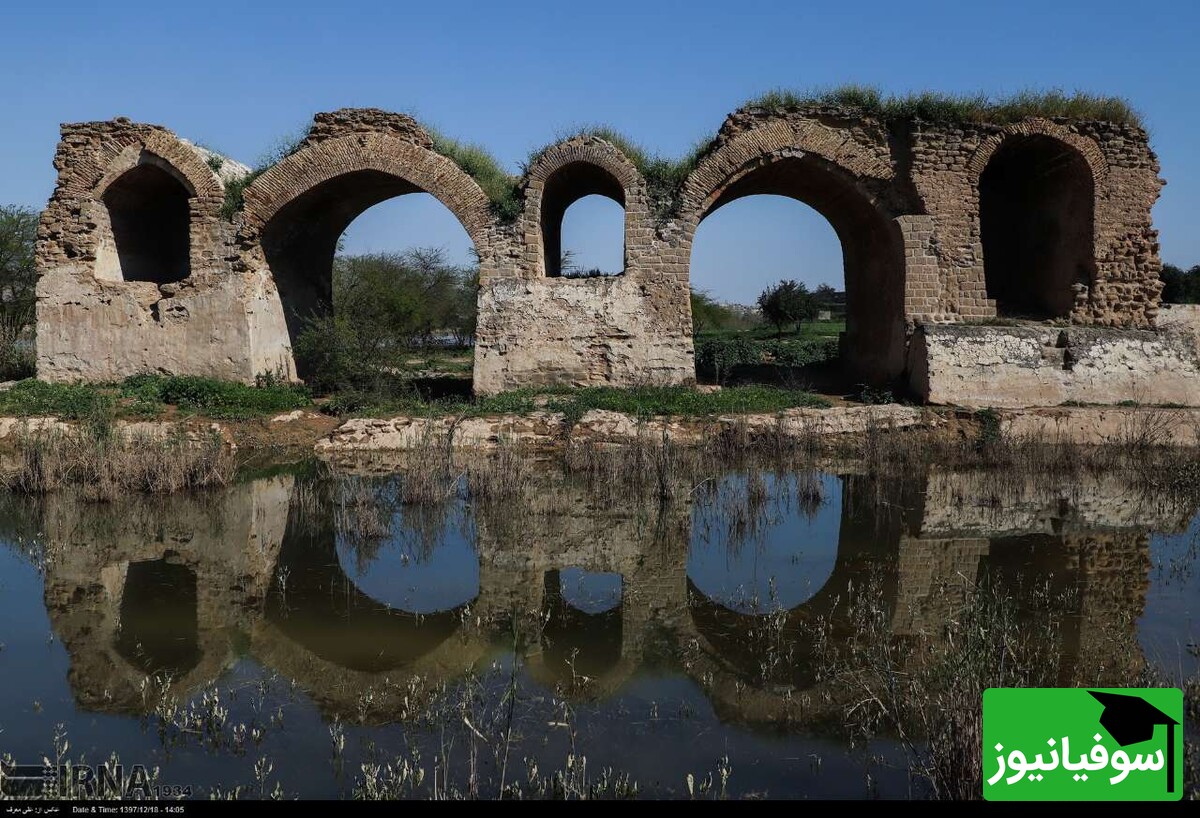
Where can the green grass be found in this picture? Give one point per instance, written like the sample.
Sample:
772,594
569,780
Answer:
31,398
213,398
502,189
934,107
235,189
146,396
762,332
684,401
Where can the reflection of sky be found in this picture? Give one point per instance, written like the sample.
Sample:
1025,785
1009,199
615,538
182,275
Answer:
1171,621
405,576
592,592
796,552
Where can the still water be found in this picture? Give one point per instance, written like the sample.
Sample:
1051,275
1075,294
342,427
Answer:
317,623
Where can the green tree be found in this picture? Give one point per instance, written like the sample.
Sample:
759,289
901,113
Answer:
707,314
1181,286
18,290
386,305
788,302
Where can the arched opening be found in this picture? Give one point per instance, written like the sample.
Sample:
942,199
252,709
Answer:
582,183
1036,212
148,232
747,248
382,302
871,346
159,629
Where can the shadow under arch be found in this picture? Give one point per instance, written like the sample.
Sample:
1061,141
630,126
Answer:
158,630
314,603
148,232
1037,226
873,345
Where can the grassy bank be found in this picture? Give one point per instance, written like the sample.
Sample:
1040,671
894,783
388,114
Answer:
151,397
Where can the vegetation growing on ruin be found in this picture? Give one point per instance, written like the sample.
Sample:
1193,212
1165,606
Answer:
477,162
235,189
664,177
936,107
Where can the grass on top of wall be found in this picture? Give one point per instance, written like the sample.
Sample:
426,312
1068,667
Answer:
937,107
664,176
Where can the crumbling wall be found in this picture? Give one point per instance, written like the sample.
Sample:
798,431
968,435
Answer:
1022,366
903,197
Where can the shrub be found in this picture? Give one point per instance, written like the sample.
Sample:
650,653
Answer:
718,356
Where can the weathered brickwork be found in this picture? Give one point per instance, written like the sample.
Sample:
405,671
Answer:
914,205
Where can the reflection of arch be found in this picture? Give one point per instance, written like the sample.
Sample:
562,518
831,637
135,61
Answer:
301,206
737,643
576,642
315,604
820,167
1037,224
565,173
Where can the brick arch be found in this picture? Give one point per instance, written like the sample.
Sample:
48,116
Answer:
562,175
856,192
777,138
421,168
165,151
153,202
1088,148
1036,222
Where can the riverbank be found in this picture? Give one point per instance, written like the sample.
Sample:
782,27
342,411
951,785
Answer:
306,431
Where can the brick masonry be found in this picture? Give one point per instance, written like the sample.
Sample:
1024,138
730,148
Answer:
903,197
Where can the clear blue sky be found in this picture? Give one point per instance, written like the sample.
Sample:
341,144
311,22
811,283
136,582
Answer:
238,76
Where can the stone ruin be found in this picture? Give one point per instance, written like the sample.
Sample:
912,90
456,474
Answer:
985,264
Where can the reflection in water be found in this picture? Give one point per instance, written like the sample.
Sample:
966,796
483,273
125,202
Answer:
158,631
418,577
575,640
721,593
316,604
787,561
591,592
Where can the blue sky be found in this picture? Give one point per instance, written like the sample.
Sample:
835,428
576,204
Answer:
512,76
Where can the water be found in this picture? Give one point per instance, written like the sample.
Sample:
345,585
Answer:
203,634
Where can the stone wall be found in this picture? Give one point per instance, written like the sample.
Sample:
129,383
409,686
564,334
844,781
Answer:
904,198
1046,365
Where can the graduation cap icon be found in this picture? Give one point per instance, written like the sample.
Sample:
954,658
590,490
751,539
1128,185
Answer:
1131,720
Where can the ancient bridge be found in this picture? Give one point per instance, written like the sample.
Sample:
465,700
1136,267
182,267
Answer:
160,256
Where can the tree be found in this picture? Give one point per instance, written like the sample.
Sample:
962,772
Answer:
18,289
707,314
1180,286
825,295
788,302
386,305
